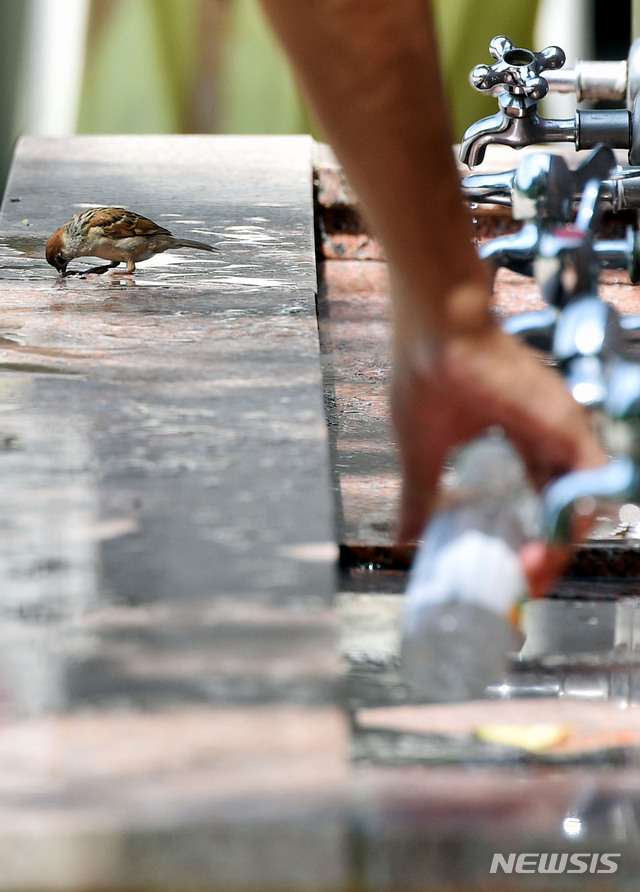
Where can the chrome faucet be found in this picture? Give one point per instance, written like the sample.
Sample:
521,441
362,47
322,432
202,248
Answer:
517,78
591,347
600,80
620,191
586,337
542,193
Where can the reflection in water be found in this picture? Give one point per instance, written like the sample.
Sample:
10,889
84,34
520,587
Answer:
627,627
588,650
572,826
575,650
599,814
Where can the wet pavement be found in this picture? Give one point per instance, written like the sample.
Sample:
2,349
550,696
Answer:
191,696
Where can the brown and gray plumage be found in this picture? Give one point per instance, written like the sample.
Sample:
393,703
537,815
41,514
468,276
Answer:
113,234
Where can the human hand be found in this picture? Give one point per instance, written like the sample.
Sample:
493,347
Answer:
458,388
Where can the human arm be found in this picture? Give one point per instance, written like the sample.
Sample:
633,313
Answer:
370,70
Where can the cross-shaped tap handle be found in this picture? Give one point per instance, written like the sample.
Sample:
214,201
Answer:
517,69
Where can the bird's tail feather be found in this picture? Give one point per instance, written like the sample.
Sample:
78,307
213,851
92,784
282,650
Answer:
191,243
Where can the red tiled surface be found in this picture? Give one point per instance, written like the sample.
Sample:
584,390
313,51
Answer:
355,328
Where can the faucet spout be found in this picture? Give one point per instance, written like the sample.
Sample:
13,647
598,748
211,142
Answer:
618,480
515,252
489,187
495,128
515,131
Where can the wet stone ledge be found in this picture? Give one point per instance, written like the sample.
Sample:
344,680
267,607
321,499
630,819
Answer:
168,672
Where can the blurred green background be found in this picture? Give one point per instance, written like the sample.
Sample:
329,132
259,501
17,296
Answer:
250,86
213,66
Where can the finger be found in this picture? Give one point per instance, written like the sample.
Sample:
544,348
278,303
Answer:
543,563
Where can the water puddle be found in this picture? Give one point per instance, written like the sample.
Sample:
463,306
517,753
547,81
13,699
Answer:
253,256
258,283
250,234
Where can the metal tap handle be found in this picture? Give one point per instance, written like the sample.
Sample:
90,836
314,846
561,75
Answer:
516,69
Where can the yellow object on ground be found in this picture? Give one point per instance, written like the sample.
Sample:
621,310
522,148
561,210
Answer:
527,737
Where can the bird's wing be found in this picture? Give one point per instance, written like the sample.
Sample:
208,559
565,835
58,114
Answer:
119,223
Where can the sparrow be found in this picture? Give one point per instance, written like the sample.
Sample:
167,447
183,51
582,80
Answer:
113,234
